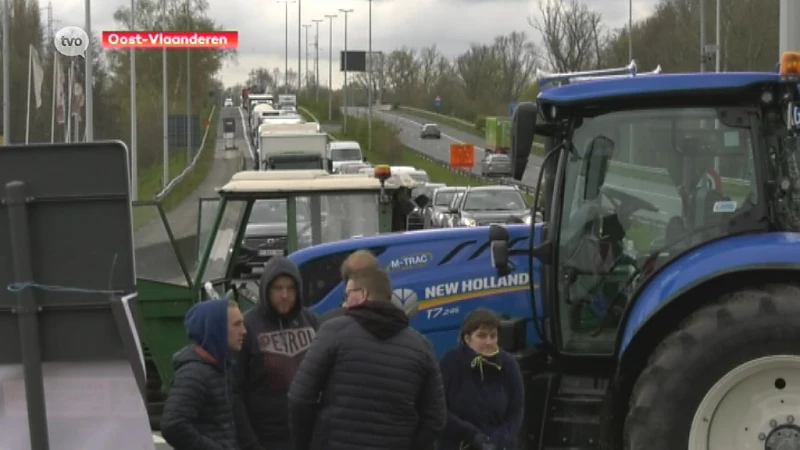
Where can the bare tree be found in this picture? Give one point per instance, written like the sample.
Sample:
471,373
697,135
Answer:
476,68
516,59
572,34
403,71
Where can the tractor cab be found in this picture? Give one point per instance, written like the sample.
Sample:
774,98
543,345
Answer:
669,200
182,258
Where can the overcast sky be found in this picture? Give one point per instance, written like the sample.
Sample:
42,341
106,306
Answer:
450,24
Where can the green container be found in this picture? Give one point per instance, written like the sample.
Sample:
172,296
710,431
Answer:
492,140
504,132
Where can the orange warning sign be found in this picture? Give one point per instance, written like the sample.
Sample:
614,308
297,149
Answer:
462,156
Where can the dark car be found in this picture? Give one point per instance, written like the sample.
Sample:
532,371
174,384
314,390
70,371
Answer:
430,130
266,232
485,205
436,213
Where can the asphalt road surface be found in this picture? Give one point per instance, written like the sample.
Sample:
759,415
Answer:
155,258
662,196
439,149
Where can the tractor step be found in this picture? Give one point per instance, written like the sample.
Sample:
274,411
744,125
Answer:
573,416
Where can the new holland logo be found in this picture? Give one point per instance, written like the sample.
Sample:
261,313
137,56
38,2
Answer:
406,299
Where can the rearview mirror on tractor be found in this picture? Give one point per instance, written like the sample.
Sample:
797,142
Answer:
523,124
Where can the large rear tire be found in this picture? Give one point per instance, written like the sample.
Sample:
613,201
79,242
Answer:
727,379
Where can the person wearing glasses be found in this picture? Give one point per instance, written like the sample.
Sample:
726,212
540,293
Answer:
369,381
280,331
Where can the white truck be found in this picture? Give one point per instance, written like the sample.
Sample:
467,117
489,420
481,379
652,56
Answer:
287,101
299,146
343,152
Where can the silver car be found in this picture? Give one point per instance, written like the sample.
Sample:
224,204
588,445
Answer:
496,165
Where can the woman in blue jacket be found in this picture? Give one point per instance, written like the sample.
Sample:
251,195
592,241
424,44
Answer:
483,387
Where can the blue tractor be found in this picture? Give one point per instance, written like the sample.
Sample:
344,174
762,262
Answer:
657,306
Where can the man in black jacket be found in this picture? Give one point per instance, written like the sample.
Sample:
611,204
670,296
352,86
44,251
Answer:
280,331
198,413
358,260
378,379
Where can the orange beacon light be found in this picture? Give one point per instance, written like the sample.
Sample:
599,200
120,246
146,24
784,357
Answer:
790,64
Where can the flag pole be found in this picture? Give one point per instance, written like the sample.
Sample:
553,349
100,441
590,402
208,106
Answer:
54,92
28,115
68,134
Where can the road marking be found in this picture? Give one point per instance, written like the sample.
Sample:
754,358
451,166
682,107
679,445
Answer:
246,138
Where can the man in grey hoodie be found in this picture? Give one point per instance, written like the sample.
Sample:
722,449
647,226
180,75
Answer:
280,330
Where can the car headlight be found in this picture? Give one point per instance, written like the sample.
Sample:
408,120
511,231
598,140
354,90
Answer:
467,222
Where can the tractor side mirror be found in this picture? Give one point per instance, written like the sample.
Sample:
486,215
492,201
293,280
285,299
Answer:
498,236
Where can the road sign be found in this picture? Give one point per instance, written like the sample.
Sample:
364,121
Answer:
462,156
511,107
437,102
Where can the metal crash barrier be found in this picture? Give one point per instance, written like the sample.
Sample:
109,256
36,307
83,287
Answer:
72,370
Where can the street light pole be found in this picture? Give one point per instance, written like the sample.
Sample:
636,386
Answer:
189,149
344,88
6,73
330,65
316,61
134,153
299,43
306,74
630,30
164,93
369,80
718,39
286,51
702,35
88,83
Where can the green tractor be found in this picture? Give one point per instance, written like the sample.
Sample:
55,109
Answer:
174,271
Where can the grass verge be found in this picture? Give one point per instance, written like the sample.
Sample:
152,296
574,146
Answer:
151,179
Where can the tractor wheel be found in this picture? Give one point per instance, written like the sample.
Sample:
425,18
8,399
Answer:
727,379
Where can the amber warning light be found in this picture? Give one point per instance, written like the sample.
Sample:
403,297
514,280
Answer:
790,64
383,172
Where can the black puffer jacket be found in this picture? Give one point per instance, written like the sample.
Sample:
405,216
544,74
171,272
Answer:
380,385
198,413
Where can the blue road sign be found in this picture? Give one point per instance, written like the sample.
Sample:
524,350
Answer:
511,107
437,102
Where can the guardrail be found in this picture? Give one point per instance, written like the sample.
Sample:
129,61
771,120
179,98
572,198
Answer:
623,165
177,180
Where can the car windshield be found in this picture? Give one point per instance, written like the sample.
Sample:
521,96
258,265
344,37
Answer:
444,198
494,200
274,211
430,128
345,154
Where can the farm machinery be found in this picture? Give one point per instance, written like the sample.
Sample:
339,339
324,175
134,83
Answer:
657,305
174,272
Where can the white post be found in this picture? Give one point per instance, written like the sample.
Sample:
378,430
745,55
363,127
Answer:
71,81
316,62
344,88
134,151
53,110
88,79
299,50
28,97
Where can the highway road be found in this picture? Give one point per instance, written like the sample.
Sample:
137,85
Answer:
662,196
155,258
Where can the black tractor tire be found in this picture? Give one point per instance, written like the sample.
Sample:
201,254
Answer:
737,328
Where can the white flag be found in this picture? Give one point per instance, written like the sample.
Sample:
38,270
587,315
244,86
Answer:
38,76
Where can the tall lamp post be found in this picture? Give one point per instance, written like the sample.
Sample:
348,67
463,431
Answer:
299,43
344,88
286,51
330,18
306,73
369,80
89,76
134,152
316,61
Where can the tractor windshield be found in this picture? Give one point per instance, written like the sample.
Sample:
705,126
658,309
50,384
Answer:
641,187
